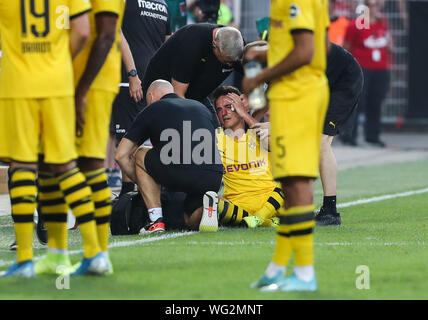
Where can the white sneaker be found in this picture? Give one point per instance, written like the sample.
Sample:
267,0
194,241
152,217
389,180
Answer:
209,220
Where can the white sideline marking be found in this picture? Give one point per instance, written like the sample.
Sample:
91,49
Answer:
342,205
118,244
381,198
345,244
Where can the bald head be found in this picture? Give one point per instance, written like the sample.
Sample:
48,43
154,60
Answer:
157,90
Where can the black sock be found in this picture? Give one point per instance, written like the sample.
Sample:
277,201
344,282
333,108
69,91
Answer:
127,187
330,203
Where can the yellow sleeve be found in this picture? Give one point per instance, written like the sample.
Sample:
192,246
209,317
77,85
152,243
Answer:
113,6
78,7
326,14
301,14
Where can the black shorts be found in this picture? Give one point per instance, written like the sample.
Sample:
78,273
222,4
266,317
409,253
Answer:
343,103
124,111
339,111
191,179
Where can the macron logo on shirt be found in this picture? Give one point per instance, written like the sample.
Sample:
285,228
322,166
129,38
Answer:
152,6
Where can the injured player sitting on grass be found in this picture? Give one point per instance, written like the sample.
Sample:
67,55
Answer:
251,197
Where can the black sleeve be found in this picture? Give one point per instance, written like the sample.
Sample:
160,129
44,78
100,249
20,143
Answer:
239,68
139,131
168,24
186,59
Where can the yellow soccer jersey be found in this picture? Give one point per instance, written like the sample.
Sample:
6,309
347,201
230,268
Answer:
289,15
36,60
247,174
108,78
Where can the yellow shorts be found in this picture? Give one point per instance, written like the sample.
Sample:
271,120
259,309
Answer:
33,126
93,142
296,127
251,202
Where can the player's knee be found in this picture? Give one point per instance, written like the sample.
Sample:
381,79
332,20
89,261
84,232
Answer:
299,190
90,164
60,168
326,140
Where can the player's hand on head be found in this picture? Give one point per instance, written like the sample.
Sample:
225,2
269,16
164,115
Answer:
245,102
135,89
237,103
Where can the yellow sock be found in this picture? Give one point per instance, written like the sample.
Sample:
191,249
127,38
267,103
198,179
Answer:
101,195
230,214
78,197
23,193
272,205
300,221
283,247
54,210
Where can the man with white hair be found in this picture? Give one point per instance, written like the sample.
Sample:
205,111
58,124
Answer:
196,60
184,157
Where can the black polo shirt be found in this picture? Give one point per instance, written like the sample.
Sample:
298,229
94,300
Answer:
145,26
183,127
343,71
188,57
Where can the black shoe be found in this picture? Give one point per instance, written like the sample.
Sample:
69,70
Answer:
13,246
41,232
328,218
157,226
376,143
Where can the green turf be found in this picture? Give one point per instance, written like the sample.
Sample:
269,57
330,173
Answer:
390,237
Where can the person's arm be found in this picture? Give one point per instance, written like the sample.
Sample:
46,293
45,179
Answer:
79,34
258,53
135,90
299,56
180,88
125,157
263,131
106,33
135,136
260,113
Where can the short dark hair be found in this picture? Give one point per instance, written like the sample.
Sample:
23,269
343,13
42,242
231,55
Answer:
224,90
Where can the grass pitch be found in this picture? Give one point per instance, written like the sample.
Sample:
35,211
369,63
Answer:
389,237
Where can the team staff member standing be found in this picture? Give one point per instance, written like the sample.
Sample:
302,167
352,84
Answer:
345,79
36,98
145,27
196,60
296,66
177,164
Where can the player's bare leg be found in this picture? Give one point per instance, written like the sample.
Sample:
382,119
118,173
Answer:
328,171
150,190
